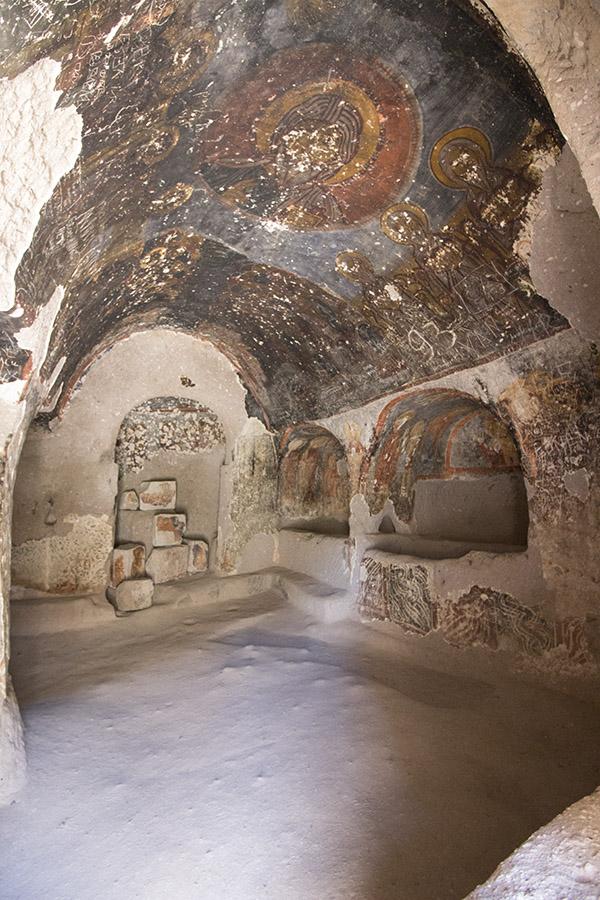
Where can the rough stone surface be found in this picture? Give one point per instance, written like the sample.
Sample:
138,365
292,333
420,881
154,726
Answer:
158,495
565,246
169,529
167,563
176,425
561,860
12,748
561,42
39,144
197,555
133,594
128,561
248,504
66,563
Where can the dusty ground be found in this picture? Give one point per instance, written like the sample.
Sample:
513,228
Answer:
240,751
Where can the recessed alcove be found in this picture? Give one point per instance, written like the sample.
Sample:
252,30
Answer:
313,485
172,439
451,470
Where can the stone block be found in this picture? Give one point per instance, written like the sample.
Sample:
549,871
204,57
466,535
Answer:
137,527
168,529
167,563
128,561
129,500
197,555
158,495
131,595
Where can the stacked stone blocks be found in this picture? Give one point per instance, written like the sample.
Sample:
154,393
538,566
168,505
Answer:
155,550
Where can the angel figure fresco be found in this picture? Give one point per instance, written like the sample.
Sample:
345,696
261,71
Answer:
454,278
374,304
434,273
400,317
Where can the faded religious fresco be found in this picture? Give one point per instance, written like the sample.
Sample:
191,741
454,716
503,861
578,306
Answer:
314,139
166,424
399,594
328,191
313,479
436,433
402,593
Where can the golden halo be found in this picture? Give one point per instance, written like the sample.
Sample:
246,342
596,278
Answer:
466,133
346,256
352,94
417,211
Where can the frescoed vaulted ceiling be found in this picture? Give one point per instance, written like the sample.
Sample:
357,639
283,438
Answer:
329,190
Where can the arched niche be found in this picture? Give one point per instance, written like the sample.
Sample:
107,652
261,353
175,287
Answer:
67,481
313,485
172,439
450,469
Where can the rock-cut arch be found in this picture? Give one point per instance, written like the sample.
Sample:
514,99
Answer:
313,486
449,467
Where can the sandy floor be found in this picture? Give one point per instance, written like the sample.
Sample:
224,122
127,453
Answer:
242,752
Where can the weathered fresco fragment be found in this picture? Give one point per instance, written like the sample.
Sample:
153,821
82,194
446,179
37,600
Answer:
313,482
404,593
329,192
398,593
555,409
485,617
165,424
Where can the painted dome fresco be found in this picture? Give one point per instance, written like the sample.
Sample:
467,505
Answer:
331,191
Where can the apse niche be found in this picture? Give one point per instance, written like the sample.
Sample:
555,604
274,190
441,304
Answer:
170,446
444,467
313,485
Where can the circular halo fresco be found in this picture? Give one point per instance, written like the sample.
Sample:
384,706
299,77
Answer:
313,141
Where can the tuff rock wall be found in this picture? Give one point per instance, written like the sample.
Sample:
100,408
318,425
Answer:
40,145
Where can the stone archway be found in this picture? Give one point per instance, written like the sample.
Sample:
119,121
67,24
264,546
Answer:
450,469
313,485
